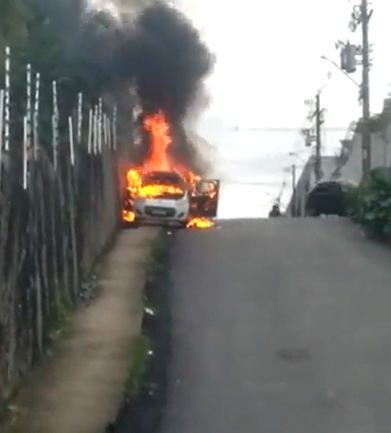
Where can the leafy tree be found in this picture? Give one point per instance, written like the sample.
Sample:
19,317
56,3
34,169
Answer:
374,203
14,15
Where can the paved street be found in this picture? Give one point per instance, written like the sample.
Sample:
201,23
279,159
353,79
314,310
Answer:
280,326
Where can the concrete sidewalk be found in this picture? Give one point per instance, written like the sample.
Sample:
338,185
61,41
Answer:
81,387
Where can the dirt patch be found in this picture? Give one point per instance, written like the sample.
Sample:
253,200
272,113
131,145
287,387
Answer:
142,409
80,387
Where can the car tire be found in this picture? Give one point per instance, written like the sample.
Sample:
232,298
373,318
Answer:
131,225
312,213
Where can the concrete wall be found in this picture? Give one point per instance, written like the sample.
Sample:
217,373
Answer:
381,155
351,171
303,185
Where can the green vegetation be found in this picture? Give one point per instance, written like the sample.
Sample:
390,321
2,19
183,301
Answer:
14,19
137,365
371,203
57,46
64,310
142,347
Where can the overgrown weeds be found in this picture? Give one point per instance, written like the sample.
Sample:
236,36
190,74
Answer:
372,204
146,386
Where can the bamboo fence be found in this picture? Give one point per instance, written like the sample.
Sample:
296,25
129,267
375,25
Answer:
58,209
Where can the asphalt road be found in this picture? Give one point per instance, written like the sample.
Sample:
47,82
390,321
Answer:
280,326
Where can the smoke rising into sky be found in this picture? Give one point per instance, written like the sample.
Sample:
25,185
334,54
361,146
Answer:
166,57
149,44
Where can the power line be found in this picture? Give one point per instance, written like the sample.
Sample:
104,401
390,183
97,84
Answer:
233,182
318,147
287,129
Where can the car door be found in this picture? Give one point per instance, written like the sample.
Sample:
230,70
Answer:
205,198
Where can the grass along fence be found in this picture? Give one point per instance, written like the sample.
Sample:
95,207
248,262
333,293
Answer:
58,208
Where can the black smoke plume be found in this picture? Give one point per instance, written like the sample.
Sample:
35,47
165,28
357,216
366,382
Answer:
158,49
169,61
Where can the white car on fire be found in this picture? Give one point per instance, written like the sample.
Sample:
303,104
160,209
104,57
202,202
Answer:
162,198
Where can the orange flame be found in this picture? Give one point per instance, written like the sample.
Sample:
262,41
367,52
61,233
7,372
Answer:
157,126
128,216
159,160
200,223
157,190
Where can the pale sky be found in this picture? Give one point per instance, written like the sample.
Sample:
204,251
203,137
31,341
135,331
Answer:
268,63
269,57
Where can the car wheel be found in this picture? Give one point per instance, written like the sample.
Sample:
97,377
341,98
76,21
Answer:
312,213
131,225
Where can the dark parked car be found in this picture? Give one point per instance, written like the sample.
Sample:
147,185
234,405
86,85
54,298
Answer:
328,198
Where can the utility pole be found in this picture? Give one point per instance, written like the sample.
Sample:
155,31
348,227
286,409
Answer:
293,208
318,132
361,16
366,133
316,115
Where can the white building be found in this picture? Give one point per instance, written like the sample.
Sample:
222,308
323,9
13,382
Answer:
350,168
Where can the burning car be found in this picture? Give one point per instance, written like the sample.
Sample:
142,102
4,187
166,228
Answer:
162,196
161,191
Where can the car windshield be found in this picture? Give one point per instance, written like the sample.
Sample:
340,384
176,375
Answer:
161,178
167,185
327,188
